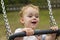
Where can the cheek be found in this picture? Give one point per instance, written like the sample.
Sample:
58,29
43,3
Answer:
38,19
26,20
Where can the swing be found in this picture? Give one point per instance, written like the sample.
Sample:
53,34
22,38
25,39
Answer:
11,36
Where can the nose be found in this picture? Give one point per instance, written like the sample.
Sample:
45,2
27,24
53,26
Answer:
34,18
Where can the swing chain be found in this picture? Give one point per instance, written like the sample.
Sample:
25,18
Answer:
52,20
6,19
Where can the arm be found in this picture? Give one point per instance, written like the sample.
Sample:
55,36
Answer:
52,36
28,31
16,31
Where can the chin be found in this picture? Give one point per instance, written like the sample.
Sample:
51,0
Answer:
33,27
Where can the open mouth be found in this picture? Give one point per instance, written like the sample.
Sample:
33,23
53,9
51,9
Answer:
34,22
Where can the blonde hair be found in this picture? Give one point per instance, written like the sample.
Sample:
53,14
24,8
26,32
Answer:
25,7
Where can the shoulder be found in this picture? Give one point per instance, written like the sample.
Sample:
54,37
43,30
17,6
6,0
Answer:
18,30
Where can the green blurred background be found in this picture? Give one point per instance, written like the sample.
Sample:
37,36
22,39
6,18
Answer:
13,8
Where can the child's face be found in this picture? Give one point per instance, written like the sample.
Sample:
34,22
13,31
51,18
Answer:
30,17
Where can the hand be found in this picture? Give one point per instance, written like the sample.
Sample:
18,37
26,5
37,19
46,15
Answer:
54,28
29,31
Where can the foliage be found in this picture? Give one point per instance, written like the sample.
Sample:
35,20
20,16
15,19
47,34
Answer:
0,7
23,2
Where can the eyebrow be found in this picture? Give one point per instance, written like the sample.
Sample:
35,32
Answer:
35,13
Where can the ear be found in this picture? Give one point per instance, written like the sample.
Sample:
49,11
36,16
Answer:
22,20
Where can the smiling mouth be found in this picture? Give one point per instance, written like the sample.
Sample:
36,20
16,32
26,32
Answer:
34,22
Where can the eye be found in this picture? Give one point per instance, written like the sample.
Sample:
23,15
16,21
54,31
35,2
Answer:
37,16
30,16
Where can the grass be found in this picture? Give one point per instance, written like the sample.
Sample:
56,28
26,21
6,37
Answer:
13,18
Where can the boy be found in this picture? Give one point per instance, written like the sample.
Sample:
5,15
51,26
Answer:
30,19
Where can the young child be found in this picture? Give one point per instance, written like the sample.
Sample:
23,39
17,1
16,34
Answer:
30,18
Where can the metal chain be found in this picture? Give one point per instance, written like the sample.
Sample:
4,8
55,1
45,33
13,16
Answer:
52,20
6,20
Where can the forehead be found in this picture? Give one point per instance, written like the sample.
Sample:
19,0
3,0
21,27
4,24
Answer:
31,10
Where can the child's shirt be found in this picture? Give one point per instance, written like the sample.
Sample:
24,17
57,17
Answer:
29,37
